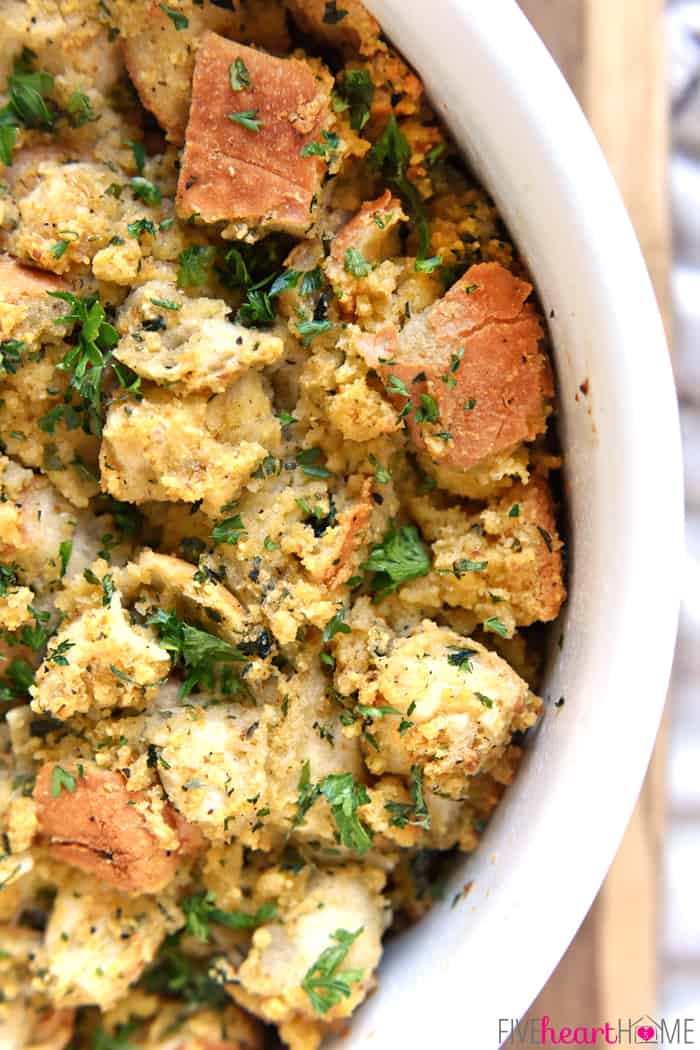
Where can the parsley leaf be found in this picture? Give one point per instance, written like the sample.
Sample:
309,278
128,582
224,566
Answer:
17,680
61,779
256,309
496,626
345,795
336,625
400,557
145,190
11,355
356,264
308,793
461,658
200,910
326,148
309,459
416,813
230,530
193,263
65,550
381,475
333,14
139,226
248,119
390,156
308,330
179,20
428,411
239,76
324,982
199,653
85,362
353,93
79,109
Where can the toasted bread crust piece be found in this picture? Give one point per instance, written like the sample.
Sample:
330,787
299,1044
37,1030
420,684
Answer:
354,28
159,56
237,174
373,233
18,283
97,828
477,354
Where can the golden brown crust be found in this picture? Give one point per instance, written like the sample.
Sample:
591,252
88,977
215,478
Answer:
372,233
235,174
99,828
355,29
19,282
477,353
545,586
354,527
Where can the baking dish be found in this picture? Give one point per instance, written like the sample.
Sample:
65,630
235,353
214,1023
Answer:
449,980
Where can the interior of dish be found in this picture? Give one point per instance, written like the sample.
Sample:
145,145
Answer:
278,528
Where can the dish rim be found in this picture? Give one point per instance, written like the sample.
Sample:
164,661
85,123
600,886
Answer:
534,151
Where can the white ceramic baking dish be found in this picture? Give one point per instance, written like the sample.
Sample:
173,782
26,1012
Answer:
447,982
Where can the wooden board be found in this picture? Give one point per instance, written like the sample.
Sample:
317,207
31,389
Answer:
611,51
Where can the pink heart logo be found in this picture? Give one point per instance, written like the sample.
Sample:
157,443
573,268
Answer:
646,1032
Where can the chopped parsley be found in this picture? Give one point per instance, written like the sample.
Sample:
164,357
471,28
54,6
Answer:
193,263
257,309
428,265
356,264
514,511
204,657
345,796
11,355
324,982
459,568
85,362
8,579
167,304
145,190
230,530
470,404
461,658
390,156
381,474
400,557
18,678
496,626
333,14
79,109
238,74
428,412
326,148
179,20
64,552
248,119
310,461
141,226
353,94
60,779
336,625
416,813
200,911
308,330
139,152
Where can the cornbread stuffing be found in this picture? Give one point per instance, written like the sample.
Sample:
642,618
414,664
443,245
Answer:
278,531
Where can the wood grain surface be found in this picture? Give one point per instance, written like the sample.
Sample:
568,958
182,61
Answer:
611,52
